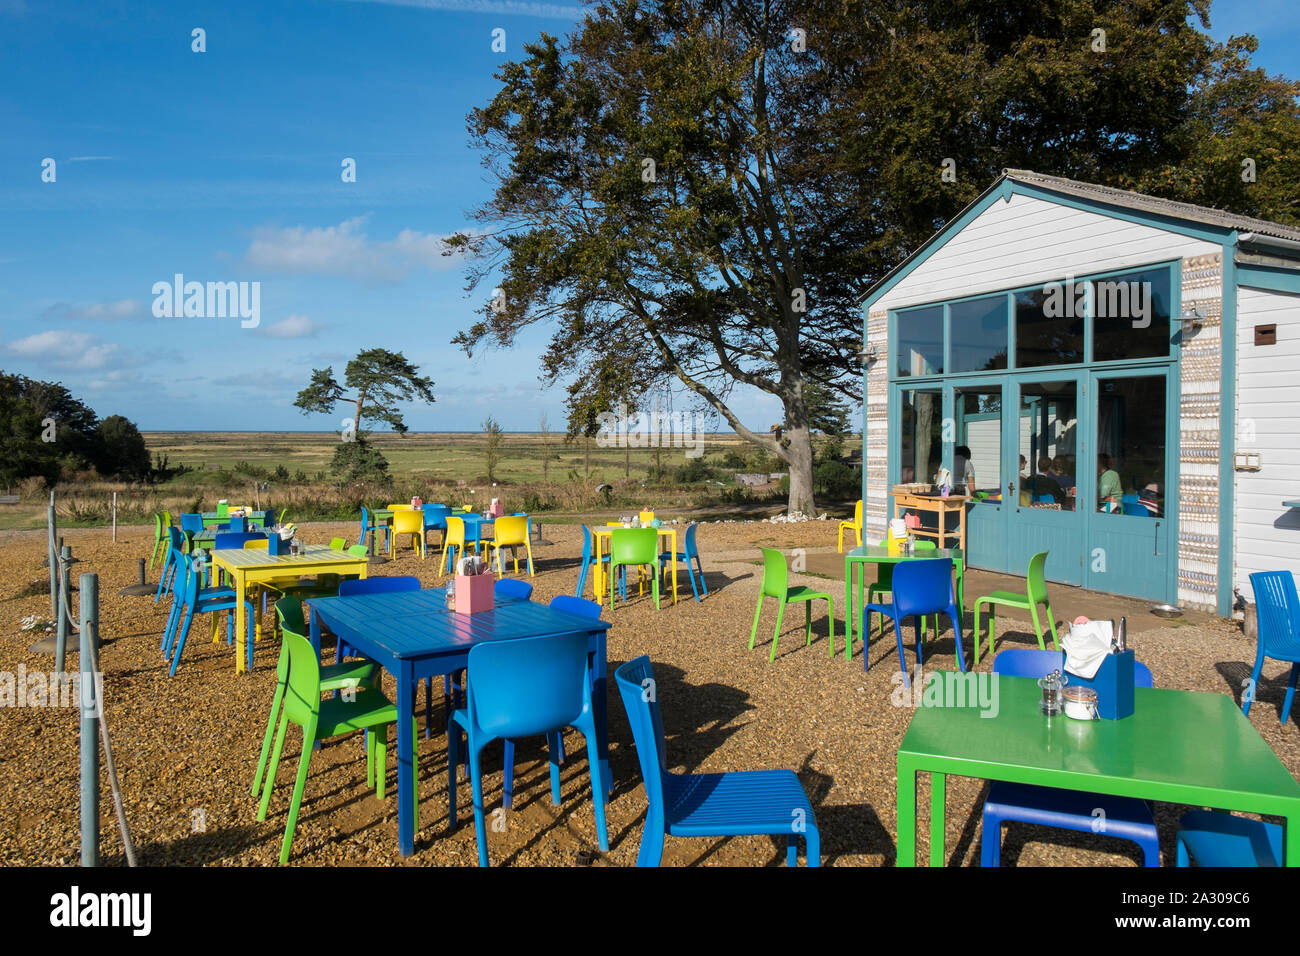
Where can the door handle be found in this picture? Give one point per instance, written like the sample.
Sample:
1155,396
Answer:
1011,487
1155,546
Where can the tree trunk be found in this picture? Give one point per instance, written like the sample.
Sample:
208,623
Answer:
798,455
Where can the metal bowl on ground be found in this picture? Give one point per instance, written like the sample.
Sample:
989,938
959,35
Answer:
1166,610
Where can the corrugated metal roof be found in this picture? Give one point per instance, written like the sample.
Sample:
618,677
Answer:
1152,204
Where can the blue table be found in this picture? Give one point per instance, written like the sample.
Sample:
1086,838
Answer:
413,636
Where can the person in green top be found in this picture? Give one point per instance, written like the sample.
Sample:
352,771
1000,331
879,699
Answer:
1109,488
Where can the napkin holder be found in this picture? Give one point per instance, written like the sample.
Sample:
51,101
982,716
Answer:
1113,683
475,593
276,545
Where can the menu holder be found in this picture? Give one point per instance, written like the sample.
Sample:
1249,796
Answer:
475,593
1113,683
276,545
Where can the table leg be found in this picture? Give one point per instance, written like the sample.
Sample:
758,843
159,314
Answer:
1291,852
942,513
938,785
406,778
906,814
848,610
599,568
673,539
241,622
313,632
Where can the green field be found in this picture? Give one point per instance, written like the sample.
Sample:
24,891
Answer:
535,473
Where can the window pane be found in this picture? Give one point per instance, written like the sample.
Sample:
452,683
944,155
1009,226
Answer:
1131,445
979,334
1049,327
977,459
1131,316
920,341
1049,422
920,443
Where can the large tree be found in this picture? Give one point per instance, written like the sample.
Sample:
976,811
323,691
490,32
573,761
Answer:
701,188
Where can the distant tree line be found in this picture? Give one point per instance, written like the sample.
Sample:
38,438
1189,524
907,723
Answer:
46,432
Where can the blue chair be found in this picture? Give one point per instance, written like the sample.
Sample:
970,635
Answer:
370,526
1133,508
511,588
691,554
919,587
1212,838
570,605
588,556
707,804
522,688
1278,614
175,553
197,600
1125,817
435,519
192,522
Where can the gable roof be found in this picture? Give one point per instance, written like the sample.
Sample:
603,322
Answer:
1167,209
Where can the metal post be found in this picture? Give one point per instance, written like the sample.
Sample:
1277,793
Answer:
65,584
89,699
115,517
53,557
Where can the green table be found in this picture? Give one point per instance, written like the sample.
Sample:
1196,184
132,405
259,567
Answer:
1179,746
880,554
211,519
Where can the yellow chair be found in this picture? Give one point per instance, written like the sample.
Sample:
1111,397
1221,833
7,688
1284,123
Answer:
455,539
855,524
400,507
408,522
646,517
511,532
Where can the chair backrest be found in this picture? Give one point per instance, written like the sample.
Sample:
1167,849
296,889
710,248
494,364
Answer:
365,518
634,546
167,519
257,544
1128,499
575,605
1277,607
1043,499
527,686
857,513
400,506
587,551
408,521
646,517
191,522
402,582
289,611
435,516
511,529
455,531
1036,579
922,586
922,545
690,548
236,539
776,576
512,588
1133,508
339,544
1031,662
640,693
176,539
302,696
359,551
223,509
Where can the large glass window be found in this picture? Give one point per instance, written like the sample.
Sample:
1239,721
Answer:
1049,325
978,330
920,341
1131,316
1049,422
1131,445
922,451
977,460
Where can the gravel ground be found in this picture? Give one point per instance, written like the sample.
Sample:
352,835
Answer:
186,747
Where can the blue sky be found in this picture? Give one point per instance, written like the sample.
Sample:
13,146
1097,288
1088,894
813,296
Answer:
225,166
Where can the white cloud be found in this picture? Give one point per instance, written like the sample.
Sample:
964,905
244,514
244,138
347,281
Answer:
525,8
61,348
294,327
121,309
346,250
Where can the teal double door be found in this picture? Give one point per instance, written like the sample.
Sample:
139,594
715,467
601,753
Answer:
1081,464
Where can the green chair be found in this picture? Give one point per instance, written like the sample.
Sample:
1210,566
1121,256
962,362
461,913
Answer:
776,580
160,538
300,693
350,674
633,547
1037,595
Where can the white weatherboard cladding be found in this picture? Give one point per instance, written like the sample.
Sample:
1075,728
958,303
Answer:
1267,535
1028,240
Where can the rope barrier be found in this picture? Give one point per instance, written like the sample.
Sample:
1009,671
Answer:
87,646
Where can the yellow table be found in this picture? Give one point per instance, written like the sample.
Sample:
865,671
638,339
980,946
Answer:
600,535
247,567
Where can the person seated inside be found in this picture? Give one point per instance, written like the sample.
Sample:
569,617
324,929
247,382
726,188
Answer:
1109,488
1044,484
1152,499
963,472
1061,472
